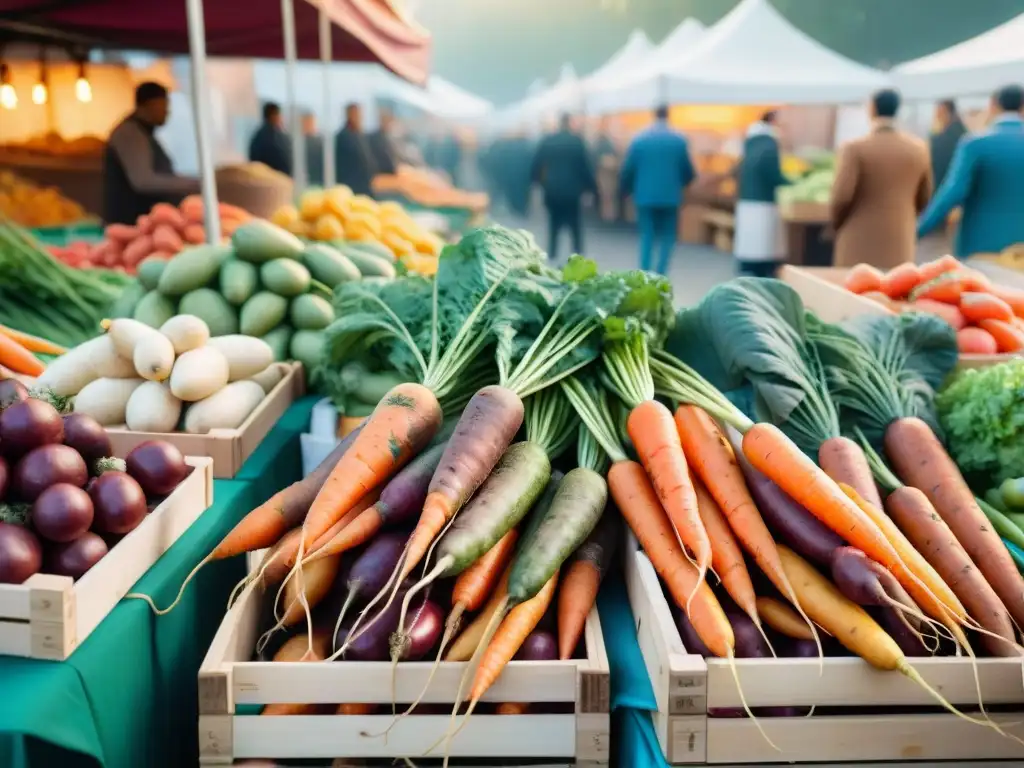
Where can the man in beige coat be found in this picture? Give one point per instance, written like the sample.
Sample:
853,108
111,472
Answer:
883,181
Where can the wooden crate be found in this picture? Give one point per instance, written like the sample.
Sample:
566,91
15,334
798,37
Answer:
228,678
229,448
48,616
821,289
687,686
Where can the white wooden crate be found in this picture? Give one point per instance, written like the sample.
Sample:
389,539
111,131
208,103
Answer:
48,616
687,686
228,448
227,678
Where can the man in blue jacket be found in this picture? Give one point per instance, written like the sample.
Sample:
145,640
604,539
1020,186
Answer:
986,178
655,172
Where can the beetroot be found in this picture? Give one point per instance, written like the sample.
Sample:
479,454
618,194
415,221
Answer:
76,557
157,466
87,436
120,504
29,424
62,513
46,466
21,555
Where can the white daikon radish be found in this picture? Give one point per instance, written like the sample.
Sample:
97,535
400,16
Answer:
271,376
96,358
150,351
246,355
106,400
227,409
186,332
198,374
152,408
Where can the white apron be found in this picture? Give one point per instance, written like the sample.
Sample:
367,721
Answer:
760,234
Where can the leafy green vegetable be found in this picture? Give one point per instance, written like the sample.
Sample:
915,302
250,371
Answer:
982,411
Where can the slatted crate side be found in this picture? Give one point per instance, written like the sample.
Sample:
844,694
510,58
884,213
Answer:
227,679
679,678
48,616
228,448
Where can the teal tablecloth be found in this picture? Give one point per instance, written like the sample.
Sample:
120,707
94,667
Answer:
127,697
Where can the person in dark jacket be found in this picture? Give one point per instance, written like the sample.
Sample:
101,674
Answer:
314,150
137,172
270,144
760,245
353,157
382,146
949,130
563,170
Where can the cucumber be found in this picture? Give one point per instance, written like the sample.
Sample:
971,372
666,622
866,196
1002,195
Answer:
499,505
238,281
309,312
262,313
374,249
308,348
124,305
279,339
154,309
150,270
259,241
369,387
329,265
212,308
575,509
370,265
285,277
191,269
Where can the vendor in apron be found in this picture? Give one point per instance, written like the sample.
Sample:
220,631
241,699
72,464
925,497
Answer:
760,241
137,173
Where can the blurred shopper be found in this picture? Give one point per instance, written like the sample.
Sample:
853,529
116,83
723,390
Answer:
986,178
655,172
562,168
949,129
447,156
270,144
137,173
517,171
760,244
353,158
314,141
382,146
605,160
883,181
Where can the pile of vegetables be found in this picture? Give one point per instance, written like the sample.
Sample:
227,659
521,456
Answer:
766,472
64,501
345,220
41,297
160,234
160,380
265,283
988,318
29,205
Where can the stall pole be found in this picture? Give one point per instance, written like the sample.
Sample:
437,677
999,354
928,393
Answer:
326,54
290,62
201,110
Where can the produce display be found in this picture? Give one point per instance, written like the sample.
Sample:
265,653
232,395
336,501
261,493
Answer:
157,380
355,223
64,501
43,298
1011,257
30,205
988,318
52,144
428,189
159,234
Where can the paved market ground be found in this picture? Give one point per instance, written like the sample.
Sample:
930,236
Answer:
695,268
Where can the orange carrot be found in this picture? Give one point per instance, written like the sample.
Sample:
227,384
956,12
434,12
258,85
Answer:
19,359
726,556
901,280
578,593
465,645
933,269
32,343
715,463
863,278
977,306
975,341
656,440
401,425
1008,337
475,584
638,502
512,708
844,461
356,709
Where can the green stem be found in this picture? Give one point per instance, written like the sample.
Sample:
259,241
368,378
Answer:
592,407
883,475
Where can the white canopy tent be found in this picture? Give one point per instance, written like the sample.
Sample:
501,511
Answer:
636,49
753,56
565,95
976,66
440,98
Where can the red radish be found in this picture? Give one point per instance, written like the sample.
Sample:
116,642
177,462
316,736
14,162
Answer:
975,341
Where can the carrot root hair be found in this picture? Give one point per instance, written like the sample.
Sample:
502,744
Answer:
731,661
181,590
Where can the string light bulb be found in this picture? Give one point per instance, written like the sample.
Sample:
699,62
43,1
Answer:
40,93
8,96
83,89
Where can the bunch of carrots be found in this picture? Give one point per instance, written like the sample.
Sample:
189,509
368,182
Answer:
988,318
483,498
18,351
